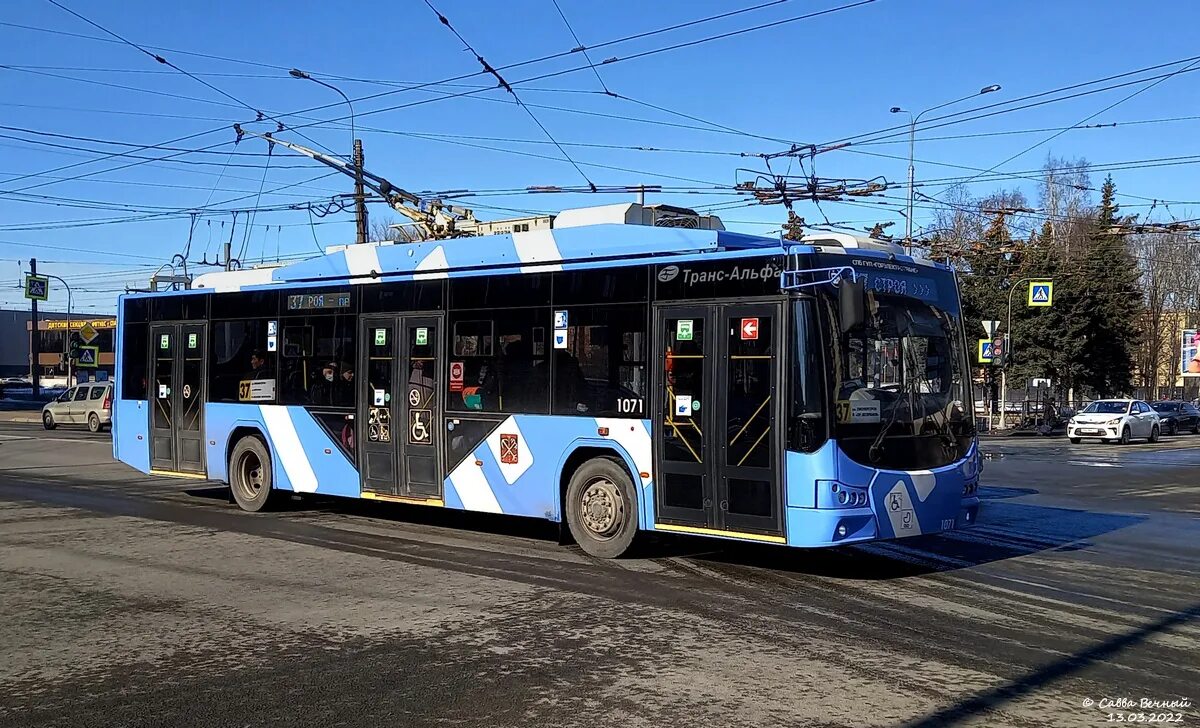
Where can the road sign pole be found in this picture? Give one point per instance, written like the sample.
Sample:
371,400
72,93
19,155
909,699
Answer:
67,338
35,340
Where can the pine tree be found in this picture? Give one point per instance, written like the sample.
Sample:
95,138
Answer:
1110,302
1050,340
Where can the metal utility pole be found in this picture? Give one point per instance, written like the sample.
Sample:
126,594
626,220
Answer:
360,200
35,341
912,145
360,197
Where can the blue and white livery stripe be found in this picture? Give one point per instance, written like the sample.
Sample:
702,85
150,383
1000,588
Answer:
290,452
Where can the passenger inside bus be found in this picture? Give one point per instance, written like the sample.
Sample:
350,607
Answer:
258,366
324,391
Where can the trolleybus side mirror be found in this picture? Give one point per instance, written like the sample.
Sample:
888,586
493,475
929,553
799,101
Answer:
852,303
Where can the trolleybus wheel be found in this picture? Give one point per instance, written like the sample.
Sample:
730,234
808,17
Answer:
602,508
250,476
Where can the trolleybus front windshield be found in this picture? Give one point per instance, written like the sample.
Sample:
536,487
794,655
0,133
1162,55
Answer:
900,387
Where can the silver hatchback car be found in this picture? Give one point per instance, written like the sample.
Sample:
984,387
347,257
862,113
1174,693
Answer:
85,404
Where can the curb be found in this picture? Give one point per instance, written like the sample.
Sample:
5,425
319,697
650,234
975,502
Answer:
21,418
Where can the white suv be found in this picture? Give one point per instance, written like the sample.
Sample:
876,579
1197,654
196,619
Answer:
1119,420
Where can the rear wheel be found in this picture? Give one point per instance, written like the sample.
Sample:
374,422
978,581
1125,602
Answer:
602,508
48,421
1076,440
250,476
1124,436
93,422
1154,434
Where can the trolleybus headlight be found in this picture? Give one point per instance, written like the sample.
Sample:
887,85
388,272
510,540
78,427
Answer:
843,497
841,531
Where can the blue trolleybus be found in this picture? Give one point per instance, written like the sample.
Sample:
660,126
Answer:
612,378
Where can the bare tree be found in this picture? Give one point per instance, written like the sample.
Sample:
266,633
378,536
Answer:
1170,276
390,230
1065,195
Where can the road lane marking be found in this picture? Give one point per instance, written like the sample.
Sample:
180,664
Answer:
55,439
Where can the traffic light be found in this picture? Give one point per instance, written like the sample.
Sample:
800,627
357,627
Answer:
73,347
1000,350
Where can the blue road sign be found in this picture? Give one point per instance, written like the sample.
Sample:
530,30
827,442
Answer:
986,355
1041,293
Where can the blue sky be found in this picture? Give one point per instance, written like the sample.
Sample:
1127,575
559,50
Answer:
809,81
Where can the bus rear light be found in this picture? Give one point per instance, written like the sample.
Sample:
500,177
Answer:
602,431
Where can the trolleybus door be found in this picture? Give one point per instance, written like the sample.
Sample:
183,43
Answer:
400,403
177,358
717,438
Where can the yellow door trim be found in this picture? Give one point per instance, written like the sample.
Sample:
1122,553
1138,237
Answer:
717,532
371,495
177,474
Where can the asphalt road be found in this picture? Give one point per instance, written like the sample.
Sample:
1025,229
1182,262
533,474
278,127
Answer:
132,601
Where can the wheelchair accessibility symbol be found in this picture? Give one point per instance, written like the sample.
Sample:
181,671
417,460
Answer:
418,427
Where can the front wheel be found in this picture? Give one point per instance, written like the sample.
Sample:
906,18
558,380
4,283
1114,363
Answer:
1154,434
602,508
250,476
1125,435
1076,440
48,421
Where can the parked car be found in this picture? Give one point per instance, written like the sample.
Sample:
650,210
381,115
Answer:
1177,416
86,404
1115,420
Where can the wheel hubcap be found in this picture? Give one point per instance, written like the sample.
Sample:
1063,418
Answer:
252,475
602,508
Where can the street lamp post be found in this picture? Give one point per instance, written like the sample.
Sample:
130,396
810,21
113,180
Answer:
1008,347
912,144
360,200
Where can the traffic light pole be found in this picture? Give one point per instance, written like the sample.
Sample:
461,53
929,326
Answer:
67,338
1008,348
35,340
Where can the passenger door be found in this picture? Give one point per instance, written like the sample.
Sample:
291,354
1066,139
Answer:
1143,419
61,408
400,406
717,444
79,404
178,361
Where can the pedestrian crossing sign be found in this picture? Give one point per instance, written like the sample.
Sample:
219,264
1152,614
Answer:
89,356
1041,293
986,355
